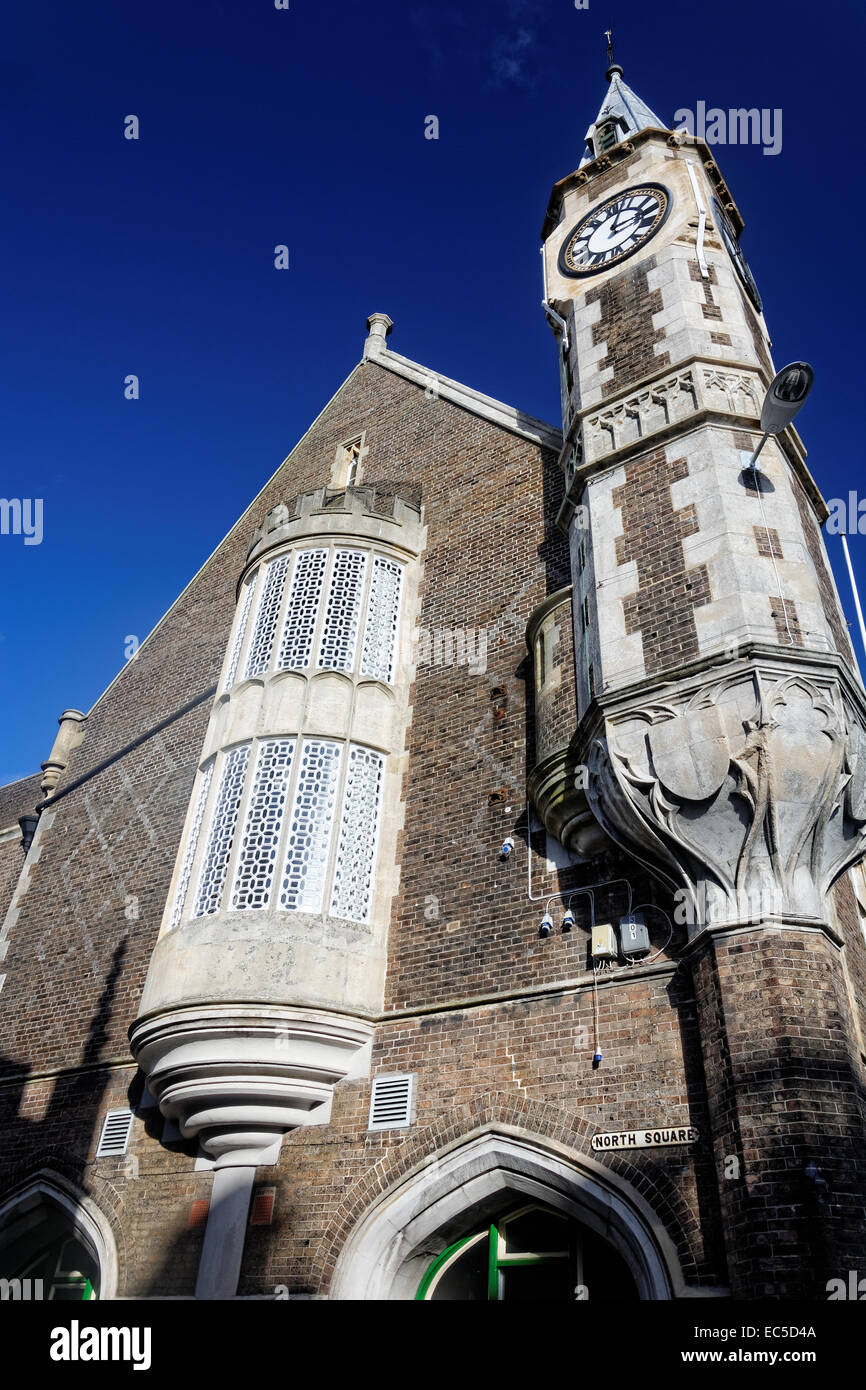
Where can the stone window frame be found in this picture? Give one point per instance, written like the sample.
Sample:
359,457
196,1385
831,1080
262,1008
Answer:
347,469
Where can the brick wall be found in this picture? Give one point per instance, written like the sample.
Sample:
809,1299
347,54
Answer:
626,326
784,1093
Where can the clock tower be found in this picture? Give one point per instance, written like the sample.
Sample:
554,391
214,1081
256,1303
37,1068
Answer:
718,735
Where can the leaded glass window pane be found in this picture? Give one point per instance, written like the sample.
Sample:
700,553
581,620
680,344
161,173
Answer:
259,654
296,646
343,612
312,817
355,871
383,615
191,847
237,645
255,869
222,831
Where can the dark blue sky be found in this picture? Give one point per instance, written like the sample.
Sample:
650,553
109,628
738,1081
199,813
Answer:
306,127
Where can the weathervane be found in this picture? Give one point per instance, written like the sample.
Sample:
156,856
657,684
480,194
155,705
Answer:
608,33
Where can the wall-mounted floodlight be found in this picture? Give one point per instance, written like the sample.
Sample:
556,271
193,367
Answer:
784,400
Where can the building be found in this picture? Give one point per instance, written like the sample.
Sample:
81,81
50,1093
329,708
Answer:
457,895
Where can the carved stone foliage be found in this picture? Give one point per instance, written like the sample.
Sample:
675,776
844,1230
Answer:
641,414
747,797
670,399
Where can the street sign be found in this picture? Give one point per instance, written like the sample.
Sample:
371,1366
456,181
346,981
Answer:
645,1138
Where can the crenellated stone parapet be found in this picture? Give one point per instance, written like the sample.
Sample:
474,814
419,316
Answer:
387,511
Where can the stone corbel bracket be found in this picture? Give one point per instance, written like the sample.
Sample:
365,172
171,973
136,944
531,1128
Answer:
238,1077
745,793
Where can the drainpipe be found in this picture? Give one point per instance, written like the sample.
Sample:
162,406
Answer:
549,309
702,218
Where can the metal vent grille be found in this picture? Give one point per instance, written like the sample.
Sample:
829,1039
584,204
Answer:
262,1209
391,1102
116,1128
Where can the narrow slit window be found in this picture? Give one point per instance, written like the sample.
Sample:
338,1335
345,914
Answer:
353,458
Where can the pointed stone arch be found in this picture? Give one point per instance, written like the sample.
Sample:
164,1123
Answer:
85,1217
412,1220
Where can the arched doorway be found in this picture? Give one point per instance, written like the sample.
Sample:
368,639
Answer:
529,1253
490,1176
52,1247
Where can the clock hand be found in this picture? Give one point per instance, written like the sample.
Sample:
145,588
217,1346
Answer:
630,218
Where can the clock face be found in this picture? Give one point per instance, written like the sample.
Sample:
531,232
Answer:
741,265
615,229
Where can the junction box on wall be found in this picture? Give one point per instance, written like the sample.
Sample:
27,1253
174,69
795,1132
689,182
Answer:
604,945
634,936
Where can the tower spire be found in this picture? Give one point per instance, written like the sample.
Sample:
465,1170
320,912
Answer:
622,112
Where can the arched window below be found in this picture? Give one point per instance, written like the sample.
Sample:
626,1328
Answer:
41,1242
530,1254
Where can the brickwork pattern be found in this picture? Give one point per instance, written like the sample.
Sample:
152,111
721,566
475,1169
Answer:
555,709
758,343
626,328
709,308
768,543
11,860
784,614
784,1092
662,608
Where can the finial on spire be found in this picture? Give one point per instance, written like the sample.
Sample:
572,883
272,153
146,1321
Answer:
613,68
